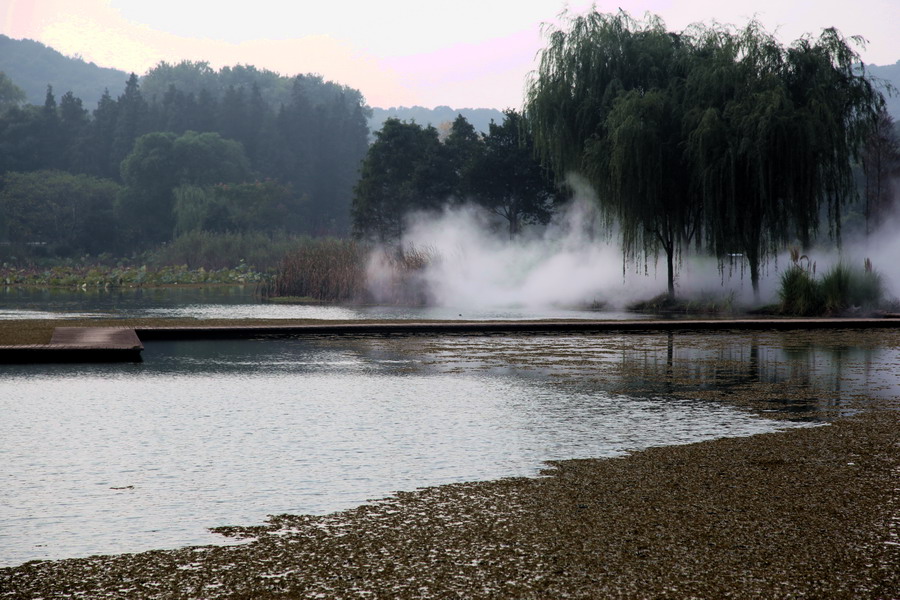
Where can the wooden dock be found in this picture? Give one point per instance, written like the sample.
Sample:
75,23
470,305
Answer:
403,328
125,344
79,345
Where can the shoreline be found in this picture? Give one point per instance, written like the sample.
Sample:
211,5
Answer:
805,511
801,512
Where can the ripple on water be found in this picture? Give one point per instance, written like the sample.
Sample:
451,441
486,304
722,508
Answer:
123,458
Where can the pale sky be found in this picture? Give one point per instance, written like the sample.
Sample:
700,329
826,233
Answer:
465,54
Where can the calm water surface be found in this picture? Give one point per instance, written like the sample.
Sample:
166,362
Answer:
124,458
240,302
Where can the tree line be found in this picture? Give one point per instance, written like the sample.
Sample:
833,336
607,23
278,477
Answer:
206,149
409,169
713,139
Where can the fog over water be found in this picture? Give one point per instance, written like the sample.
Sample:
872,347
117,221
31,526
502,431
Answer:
576,261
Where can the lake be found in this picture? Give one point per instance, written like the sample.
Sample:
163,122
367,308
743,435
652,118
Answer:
241,302
129,457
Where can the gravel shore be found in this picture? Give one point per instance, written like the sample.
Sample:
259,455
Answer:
810,512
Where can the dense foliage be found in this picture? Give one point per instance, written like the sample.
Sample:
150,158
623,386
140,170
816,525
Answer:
292,146
409,169
57,213
722,137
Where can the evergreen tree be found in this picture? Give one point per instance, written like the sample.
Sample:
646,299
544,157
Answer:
395,180
74,126
507,180
102,136
51,145
606,103
131,121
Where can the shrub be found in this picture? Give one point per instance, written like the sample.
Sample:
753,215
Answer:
799,293
841,288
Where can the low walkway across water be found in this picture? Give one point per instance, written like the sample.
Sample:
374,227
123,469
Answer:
124,344
79,344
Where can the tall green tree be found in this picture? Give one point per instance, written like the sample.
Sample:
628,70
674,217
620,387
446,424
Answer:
507,180
395,179
881,166
161,162
772,138
51,133
607,103
132,121
462,149
102,136
75,126
712,132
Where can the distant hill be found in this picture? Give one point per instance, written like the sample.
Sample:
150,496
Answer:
32,65
480,118
891,74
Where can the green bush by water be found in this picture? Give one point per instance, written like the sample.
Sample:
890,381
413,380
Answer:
842,288
800,294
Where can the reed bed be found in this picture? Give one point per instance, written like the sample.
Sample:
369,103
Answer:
399,275
327,270
335,270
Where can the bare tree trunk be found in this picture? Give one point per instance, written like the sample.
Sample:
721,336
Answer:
670,264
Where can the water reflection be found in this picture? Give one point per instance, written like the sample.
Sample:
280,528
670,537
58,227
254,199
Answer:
810,374
121,458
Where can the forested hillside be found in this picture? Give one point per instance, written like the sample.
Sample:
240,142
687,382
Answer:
208,150
33,66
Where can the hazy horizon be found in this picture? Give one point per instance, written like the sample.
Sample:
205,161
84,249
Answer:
474,56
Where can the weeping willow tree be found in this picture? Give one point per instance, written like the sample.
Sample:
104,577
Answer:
772,135
714,135
607,103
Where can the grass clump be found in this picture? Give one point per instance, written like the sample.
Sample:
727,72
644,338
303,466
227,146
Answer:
800,293
841,289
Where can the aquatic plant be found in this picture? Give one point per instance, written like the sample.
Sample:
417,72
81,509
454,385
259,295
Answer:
103,276
207,250
397,275
327,269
